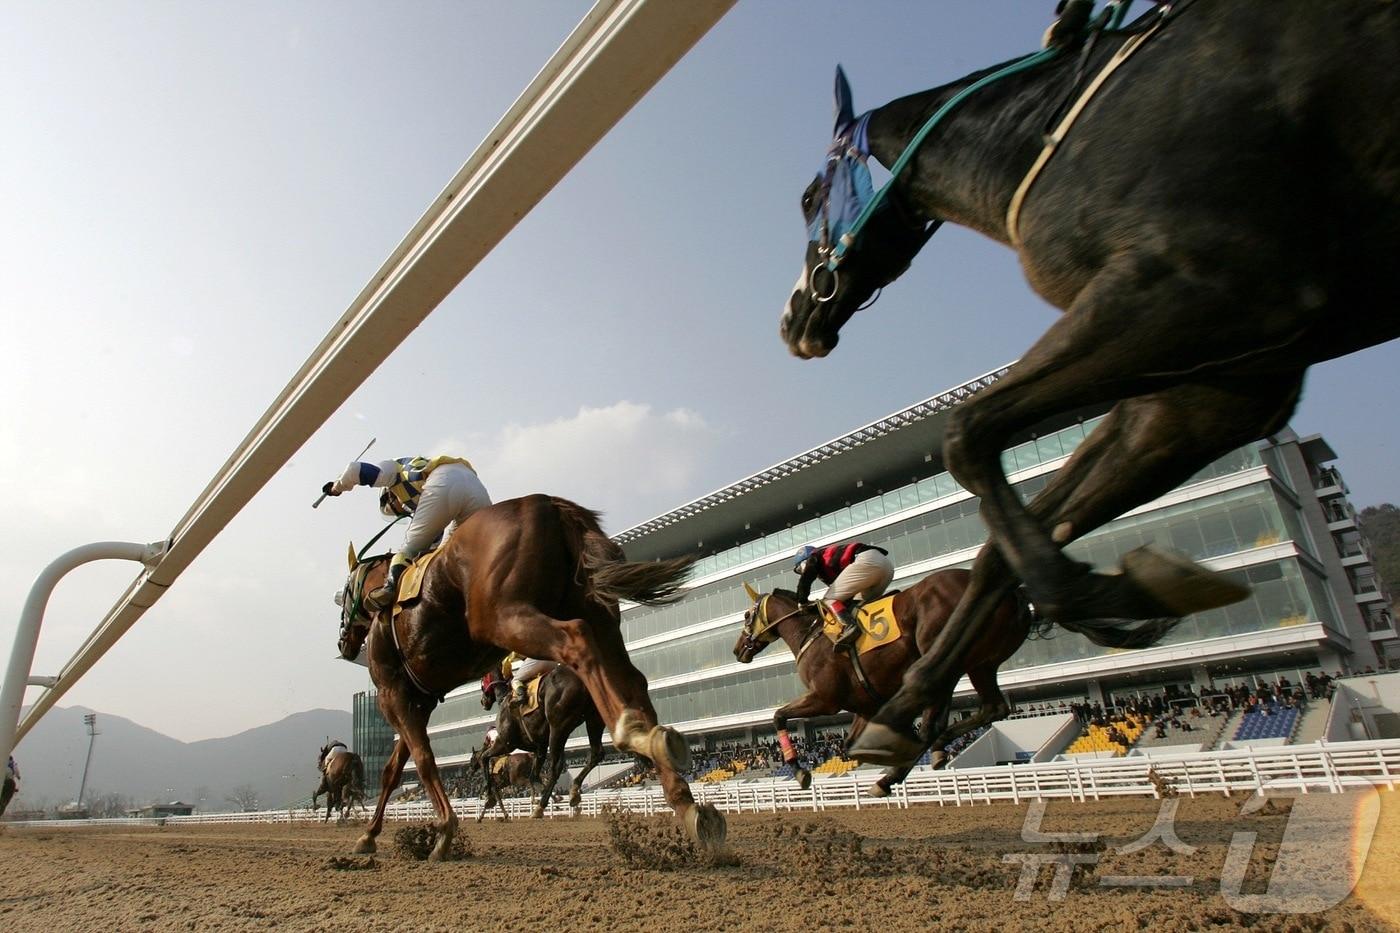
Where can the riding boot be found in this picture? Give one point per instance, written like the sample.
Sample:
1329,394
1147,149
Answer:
517,694
850,628
382,596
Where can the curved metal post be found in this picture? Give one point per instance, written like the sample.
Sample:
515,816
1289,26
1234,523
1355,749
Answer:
27,632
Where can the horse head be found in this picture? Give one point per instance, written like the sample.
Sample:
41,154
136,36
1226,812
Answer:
493,687
354,618
857,241
757,632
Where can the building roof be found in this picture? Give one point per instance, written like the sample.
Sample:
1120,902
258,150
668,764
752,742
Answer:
823,477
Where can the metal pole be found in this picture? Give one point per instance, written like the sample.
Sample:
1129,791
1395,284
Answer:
17,675
89,720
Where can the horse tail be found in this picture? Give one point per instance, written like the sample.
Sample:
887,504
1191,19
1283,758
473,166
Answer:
358,764
610,578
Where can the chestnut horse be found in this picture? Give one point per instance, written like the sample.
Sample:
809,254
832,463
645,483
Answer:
537,576
834,684
1224,213
563,704
342,779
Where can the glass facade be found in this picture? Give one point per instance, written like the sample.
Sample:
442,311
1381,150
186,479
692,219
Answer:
372,736
933,519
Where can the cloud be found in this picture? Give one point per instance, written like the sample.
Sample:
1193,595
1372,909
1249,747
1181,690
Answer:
626,460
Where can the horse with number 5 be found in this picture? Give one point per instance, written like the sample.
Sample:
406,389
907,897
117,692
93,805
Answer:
1212,196
537,576
858,682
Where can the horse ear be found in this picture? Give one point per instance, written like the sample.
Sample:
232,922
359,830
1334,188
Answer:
353,562
845,108
753,594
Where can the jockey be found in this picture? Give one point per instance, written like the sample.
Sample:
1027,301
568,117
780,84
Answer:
849,570
440,493
521,670
10,786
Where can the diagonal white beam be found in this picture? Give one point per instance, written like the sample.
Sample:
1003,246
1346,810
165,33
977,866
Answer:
614,56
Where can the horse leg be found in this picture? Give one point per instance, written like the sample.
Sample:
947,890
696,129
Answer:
805,706
896,775
597,654
388,782
1169,432
557,737
413,728
594,724
993,707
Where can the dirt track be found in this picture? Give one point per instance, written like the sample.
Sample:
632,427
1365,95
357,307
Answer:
878,869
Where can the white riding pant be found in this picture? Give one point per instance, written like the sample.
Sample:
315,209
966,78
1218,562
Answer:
867,576
451,493
526,669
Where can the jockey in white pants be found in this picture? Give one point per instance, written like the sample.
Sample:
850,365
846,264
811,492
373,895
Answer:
440,493
521,671
849,570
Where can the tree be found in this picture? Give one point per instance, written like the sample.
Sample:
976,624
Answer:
1381,526
244,798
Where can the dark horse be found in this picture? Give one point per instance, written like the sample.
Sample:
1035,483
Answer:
342,779
1224,214
833,684
563,704
536,576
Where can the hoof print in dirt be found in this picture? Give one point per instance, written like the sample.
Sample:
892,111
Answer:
416,842
351,863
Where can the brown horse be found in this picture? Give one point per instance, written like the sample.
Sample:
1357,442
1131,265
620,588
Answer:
1225,213
536,576
518,770
835,684
342,779
563,703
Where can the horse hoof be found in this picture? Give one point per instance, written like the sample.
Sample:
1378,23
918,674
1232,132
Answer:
804,778
1179,584
365,846
938,760
706,825
878,790
666,745
881,745
537,813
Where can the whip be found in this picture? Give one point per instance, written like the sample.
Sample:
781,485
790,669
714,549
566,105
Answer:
322,498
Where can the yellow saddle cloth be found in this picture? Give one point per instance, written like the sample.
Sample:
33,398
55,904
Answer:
532,695
878,625
411,583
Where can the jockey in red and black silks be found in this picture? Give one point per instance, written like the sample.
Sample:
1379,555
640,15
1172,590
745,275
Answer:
850,569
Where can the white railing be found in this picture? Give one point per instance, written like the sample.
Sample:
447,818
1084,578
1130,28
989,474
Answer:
1304,769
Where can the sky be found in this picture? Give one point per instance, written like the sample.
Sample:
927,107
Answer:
192,194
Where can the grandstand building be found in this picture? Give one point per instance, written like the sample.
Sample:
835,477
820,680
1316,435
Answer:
1274,513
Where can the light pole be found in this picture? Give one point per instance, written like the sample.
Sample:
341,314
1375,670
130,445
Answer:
89,720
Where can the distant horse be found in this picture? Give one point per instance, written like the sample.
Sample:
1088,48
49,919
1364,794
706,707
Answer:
1224,213
342,779
563,703
835,684
518,770
536,576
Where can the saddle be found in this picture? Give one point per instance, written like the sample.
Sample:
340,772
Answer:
411,583
878,625
532,693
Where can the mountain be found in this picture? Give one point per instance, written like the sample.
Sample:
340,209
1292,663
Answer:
278,761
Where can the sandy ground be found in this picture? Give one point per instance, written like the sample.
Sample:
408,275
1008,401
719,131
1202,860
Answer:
919,869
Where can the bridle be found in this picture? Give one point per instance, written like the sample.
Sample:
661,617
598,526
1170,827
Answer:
759,632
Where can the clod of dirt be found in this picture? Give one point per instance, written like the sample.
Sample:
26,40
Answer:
350,863
416,842
658,843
